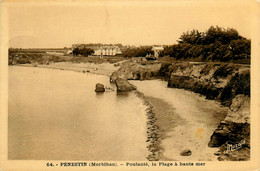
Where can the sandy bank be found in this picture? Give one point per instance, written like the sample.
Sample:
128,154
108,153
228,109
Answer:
103,68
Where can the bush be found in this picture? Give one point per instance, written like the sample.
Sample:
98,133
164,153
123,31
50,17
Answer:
83,51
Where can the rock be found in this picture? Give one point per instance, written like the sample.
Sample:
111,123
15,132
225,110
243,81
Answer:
239,110
217,153
135,71
124,85
100,87
234,130
236,126
185,152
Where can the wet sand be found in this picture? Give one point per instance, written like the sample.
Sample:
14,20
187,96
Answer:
186,121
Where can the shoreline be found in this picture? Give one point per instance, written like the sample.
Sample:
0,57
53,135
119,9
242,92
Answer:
156,129
101,69
153,130
166,123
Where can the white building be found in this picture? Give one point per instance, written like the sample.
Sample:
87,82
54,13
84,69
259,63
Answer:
157,50
107,51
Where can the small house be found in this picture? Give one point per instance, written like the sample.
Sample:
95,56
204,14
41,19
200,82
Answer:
157,50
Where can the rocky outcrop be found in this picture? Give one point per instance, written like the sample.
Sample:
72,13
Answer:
136,71
221,82
233,134
100,88
133,71
123,85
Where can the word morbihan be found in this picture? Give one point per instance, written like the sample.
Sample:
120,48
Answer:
120,164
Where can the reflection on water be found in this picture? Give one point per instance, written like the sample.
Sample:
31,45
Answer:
57,115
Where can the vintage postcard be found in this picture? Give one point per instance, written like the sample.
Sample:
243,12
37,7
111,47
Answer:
129,85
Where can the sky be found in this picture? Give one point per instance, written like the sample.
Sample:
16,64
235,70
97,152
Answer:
58,25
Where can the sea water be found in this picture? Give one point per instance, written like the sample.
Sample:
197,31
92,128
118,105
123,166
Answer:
57,115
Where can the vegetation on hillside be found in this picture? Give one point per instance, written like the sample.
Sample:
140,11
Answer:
216,44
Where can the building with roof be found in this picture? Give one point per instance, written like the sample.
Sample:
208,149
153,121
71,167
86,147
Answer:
99,49
107,51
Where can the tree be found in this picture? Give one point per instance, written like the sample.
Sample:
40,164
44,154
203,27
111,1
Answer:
75,52
84,51
137,52
216,44
192,37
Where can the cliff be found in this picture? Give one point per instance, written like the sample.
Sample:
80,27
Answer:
216,81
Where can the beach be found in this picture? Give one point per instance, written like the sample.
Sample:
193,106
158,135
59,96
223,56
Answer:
101,68
185,119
